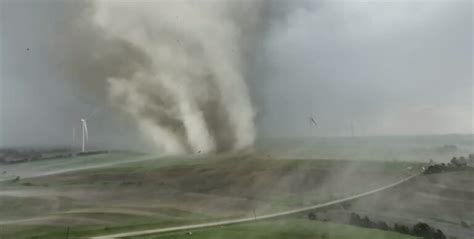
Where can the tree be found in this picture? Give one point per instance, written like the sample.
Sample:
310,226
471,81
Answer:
366,222
439,235
382,226
355,219
423,230
401,229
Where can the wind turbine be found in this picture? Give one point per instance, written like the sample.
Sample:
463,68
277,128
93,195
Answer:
85,134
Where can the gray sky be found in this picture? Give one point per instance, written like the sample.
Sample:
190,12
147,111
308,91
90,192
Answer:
390,67
39,102
398,67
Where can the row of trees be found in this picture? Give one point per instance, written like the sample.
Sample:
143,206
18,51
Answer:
456,164
420,229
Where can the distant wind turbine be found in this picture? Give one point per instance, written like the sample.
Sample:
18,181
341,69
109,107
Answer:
85,135
85,132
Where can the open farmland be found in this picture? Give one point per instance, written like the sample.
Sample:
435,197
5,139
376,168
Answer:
445,201
164,192
283,229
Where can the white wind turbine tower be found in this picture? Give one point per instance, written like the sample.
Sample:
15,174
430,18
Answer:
85,135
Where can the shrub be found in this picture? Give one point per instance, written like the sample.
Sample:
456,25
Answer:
382,226
355,219
422,230
439,235
401,229
366,222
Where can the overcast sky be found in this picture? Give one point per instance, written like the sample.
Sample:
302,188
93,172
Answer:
398,67
39,102
390,67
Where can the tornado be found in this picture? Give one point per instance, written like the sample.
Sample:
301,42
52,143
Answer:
190,94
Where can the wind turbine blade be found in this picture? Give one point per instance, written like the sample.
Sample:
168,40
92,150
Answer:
85,130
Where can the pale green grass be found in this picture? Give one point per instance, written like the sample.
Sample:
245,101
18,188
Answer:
283,229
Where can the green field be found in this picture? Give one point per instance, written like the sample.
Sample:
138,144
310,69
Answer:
283,229
274,229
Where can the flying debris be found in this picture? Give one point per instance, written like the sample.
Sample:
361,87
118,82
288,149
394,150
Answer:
313,121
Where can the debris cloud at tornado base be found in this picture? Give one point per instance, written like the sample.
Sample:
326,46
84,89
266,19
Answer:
187,92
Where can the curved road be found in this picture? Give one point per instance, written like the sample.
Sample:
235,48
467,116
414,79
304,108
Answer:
249,219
